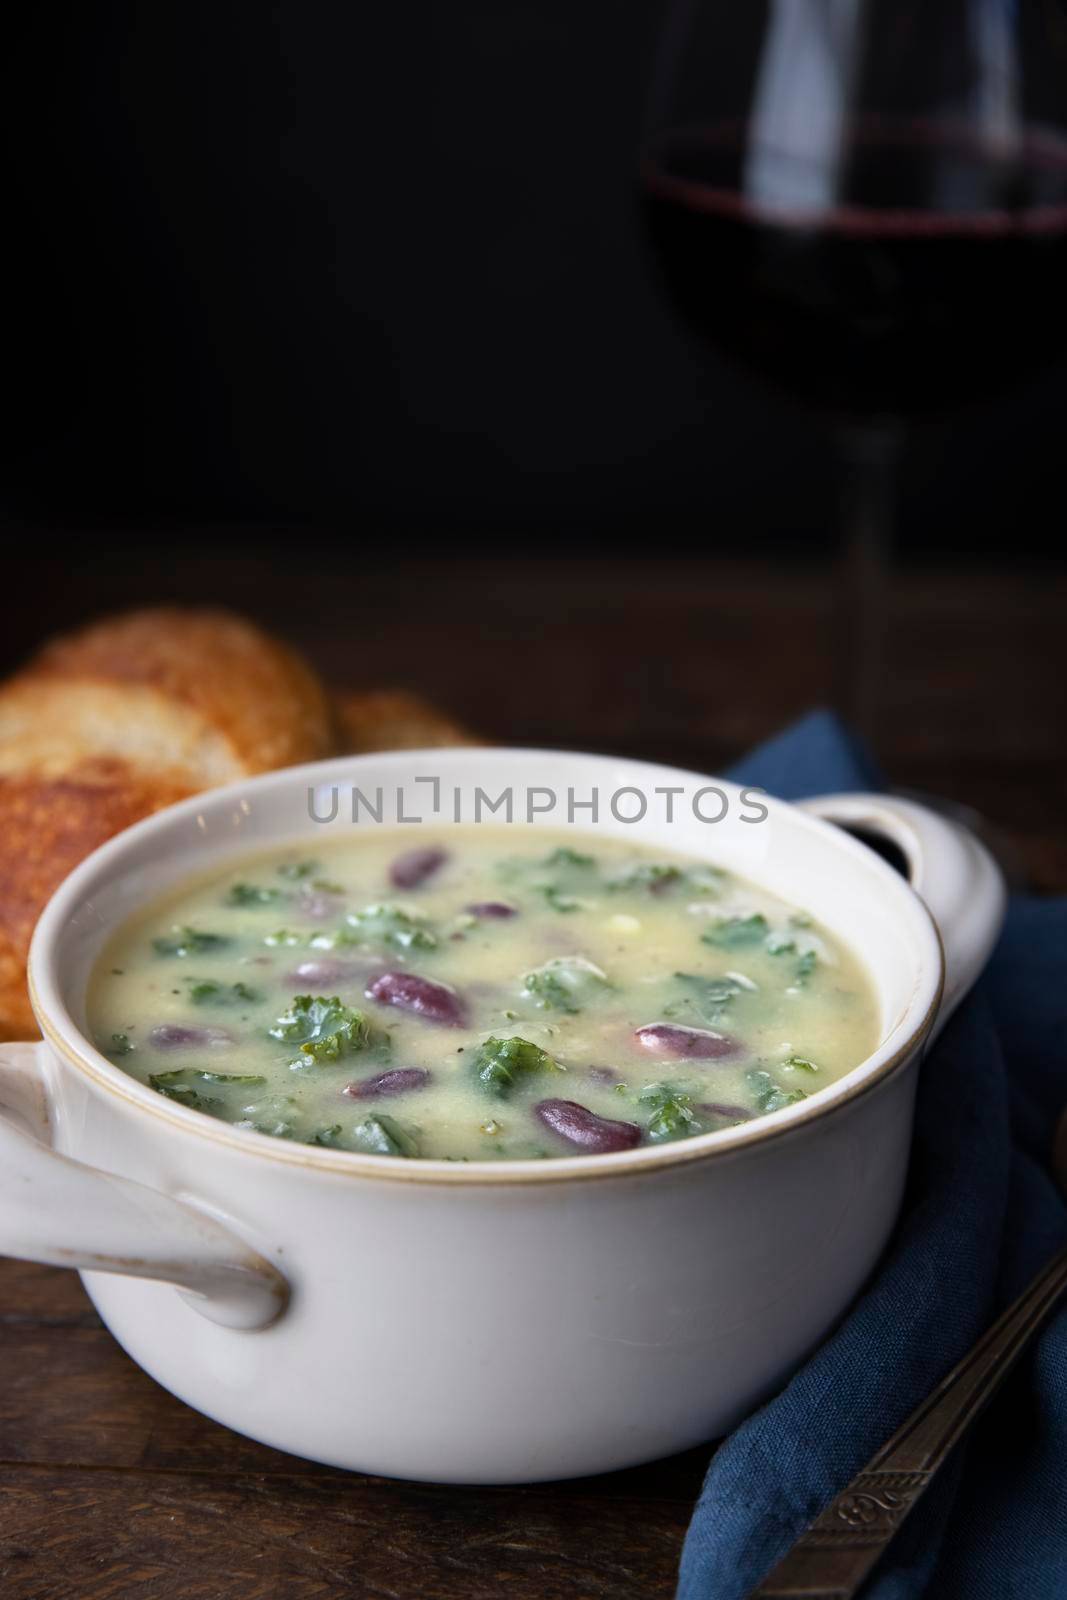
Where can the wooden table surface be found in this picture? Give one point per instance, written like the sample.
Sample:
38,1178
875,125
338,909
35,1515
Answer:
113,1489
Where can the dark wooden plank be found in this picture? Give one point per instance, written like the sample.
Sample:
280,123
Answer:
102,1535
106,1476
42,1295
96,1407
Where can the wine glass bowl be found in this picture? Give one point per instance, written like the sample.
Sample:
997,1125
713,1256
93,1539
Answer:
873,220
865,202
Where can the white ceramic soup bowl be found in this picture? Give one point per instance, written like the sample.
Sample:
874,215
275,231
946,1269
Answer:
493,1322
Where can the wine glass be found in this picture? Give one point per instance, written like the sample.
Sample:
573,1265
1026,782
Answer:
865,201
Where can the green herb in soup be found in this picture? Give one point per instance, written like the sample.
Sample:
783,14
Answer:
379,1136
731,933
565,983
491,995
669,1110
324,1030
188,942
385,927
768,1094
297,869
206,992
499,1064
253,894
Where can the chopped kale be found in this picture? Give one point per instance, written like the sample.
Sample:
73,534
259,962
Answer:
283,937
564,856
499,1063
671,1112
714,990
383,1136
654,876
780,944
297,869
121,1045
705,879
277,1130
659,876
801,1064
181,1086
559,901
325,1030
560,877
805,967
276,1114
565,983
205,992
185,1095
159,1080
189,942
732,933
385,925
327,1138
253,894
705,997
768,1093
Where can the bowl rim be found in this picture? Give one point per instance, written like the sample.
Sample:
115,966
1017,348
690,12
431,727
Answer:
59,1029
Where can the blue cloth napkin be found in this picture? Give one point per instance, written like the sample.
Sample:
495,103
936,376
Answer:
980,1216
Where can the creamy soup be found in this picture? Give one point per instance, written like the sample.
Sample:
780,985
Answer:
485,995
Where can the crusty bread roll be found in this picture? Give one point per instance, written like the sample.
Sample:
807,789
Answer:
48,825
115,721
256,703
136,711
394,719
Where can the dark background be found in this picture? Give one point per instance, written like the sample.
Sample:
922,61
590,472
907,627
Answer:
379,270
342,315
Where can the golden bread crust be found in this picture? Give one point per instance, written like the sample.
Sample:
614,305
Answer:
48,825
129,714
124,717
395,719
51,728
249,688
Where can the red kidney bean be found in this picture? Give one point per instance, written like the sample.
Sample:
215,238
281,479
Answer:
406,990
603,1075
400,1080
734,1113
413,868
672,1039
584,1129
176,1036
492,910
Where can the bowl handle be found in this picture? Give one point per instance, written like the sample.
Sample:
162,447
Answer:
947,866
61,1212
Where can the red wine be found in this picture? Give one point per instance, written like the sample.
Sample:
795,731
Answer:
937,272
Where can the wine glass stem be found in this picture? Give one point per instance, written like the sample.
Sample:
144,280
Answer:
868,456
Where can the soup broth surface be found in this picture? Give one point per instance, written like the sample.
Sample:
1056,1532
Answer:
482,995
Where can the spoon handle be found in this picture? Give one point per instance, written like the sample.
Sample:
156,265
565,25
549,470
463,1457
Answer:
833,1556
